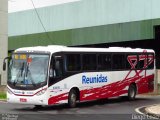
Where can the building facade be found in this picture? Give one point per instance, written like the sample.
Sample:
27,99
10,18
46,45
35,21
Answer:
97,23
3,38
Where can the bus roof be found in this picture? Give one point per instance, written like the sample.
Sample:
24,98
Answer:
58,48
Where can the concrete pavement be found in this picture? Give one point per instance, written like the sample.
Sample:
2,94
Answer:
153,110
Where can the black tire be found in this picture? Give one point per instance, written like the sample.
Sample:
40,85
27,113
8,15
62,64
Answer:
72,98
38,106
132,92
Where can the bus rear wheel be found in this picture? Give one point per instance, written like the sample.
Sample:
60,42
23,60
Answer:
72,99
132,92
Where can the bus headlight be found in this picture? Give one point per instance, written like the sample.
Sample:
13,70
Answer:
41,92
9,91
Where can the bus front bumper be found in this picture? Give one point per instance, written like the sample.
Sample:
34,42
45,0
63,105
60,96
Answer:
32,100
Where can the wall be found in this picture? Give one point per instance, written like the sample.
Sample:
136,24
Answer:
83,13
138,30
85,22
3,37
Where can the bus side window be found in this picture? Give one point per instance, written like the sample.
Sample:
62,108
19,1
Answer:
118,61
131,61
150,61
51,69
141,62
73,62
89,62
104,61
56,67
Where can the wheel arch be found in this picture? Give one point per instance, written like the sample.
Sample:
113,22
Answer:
77,92
132,91
133,83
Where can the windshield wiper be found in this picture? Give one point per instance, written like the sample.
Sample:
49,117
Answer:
19,74
26,75
22,69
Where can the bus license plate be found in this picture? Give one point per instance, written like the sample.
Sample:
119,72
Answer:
23,100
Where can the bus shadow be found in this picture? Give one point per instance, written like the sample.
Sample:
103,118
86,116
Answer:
108,101
88,104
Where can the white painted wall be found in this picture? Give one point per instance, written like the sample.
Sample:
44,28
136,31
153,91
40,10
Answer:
3,38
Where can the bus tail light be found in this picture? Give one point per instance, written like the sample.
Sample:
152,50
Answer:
41,92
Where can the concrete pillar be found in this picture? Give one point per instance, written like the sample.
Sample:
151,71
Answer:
3,38
158,76
157,81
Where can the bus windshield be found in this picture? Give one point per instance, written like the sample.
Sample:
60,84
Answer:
28,69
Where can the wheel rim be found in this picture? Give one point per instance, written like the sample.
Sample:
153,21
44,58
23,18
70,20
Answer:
73,99
132,92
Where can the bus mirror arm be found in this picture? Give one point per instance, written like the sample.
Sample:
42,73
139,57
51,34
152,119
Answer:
4,63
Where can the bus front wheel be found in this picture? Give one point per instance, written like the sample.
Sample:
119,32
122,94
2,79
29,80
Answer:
72,98
132,92
38,106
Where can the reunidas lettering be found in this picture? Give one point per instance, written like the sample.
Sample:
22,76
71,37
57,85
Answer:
97,79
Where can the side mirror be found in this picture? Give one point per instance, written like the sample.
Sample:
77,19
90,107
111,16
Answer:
4,66
4,63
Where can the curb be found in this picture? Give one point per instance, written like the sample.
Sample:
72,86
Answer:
145,110
3,101
150,112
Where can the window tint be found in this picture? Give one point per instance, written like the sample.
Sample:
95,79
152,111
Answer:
150,61
141,62
132,61
73,62
118,61
56,67
89,61
104,62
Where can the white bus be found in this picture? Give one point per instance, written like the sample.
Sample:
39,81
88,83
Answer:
48,75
